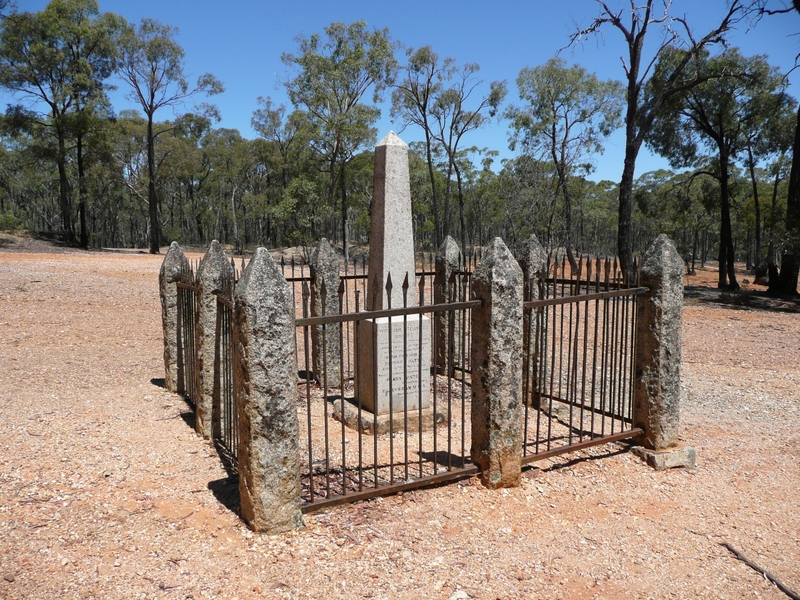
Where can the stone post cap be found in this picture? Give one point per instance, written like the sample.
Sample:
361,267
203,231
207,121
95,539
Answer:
175,263
392,139
261,277
662,259
323,252
533,257
498,261
449,250
214,263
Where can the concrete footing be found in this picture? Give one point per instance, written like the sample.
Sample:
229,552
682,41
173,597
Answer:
661,460
367,421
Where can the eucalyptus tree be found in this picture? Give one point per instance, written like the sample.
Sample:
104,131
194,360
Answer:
232,168
421,81
526,199
765,136
567,114
55,62
781,133
286,134
715,114
638,24
457,110
790,261
333,75
152,65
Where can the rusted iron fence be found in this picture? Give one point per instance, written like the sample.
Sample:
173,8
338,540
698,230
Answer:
224,417
579,334
188,292
578,358
347,455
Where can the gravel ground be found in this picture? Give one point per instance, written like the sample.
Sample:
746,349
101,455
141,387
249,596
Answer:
106,492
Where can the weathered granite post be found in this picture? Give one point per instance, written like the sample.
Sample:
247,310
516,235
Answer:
265,373
533,261
391,252
497,368
448,262
213,275
325,276
172,269
656,394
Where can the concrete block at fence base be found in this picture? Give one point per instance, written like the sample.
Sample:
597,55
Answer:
671,458
379,381
347,412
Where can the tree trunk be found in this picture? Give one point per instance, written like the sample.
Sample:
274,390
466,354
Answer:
236,248
434,191
751,162
84,234
790,263
447,196
726,234
461,219
773,218
63,190
152,197
345,239
624,223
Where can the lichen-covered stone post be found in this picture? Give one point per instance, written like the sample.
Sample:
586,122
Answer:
533,261
497,368
448,261
213,275
656,395
265,373
325,275
172,269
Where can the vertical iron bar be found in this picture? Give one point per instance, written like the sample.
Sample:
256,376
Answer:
305,295
358,395
425,381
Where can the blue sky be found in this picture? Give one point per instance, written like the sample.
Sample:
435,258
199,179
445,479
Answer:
241,42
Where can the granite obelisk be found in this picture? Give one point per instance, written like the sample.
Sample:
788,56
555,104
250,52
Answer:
393,352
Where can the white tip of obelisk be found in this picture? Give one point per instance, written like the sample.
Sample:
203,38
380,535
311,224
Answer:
392,139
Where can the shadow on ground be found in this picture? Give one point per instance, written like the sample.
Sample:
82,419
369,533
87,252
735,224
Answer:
741,299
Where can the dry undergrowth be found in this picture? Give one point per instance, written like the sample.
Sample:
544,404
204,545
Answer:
105,491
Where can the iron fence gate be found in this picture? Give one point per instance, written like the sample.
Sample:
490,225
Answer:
578,358
224,416
188,296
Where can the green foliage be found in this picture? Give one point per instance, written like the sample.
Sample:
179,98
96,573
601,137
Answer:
567,115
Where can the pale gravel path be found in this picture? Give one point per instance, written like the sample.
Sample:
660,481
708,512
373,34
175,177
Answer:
104,489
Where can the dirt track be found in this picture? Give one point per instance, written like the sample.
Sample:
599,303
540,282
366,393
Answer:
106,492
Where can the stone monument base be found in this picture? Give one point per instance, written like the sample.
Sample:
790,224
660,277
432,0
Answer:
661,460
393,363
368,422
